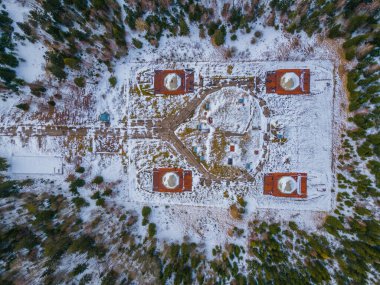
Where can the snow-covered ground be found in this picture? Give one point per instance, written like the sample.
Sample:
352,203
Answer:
310,124
36,165
307,123
31,68
306,120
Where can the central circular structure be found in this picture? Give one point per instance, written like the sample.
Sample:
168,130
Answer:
231,110
287,184
290,81
170,180
172,81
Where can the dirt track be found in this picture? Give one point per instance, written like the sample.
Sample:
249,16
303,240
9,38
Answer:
137,129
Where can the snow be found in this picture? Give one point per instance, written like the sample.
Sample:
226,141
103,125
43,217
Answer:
31,67
307,127
227,113
290,81
170,180
309,123
287,184
172,81
36,165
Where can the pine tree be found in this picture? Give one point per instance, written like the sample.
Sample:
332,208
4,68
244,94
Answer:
3,164
183,28
219,36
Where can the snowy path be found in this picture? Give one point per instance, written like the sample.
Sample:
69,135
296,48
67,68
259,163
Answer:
137,129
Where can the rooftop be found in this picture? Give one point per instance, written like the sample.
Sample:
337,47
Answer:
288,81
173,82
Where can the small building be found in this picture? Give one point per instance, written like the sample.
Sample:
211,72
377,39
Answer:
288,81
280,135
289,185
173,82
105,117
172,180
203,128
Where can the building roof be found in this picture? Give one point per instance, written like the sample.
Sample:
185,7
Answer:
104,117
290,185
173,82
172,180
288,81
287,184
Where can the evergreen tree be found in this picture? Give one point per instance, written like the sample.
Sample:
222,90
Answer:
183,28
3,164
219,36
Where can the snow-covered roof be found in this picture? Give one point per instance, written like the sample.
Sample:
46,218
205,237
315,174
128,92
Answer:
290,81
170,180
172,81
287,184
37,165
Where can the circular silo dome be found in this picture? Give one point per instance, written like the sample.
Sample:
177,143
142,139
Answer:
287,184
172,81
290,81
170,180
